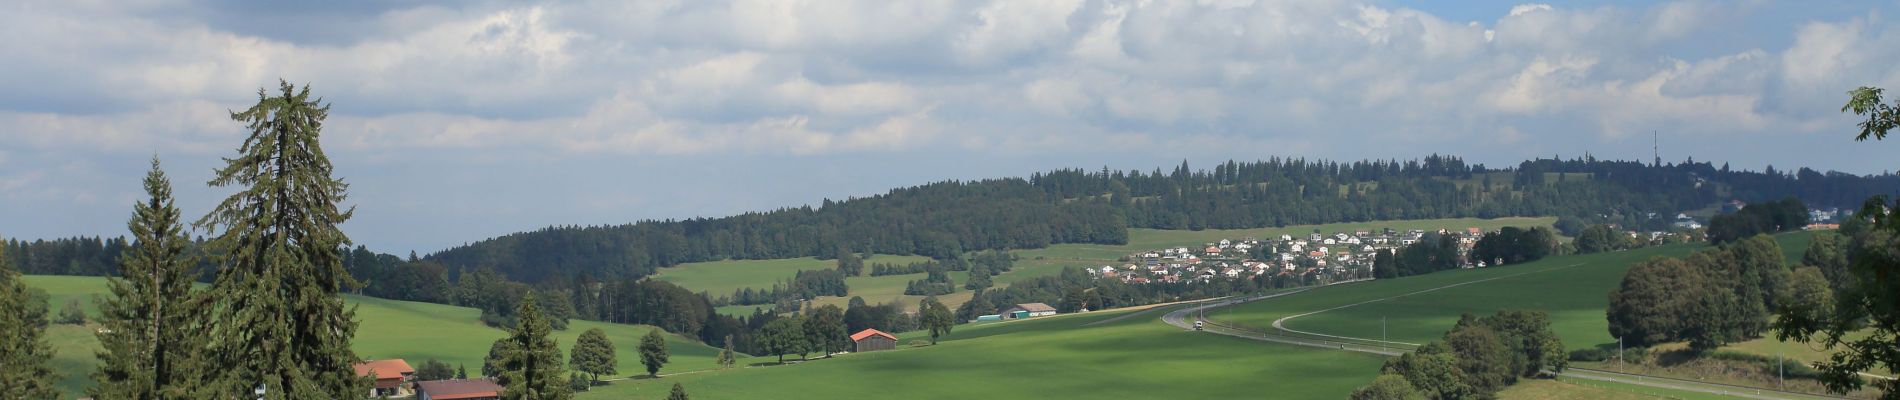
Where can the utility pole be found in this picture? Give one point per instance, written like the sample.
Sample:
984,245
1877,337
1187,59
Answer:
1619,354
1382,338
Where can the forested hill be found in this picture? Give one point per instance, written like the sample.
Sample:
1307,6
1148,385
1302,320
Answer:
1079,206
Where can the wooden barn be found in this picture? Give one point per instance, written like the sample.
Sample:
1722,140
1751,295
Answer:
458,389
873,340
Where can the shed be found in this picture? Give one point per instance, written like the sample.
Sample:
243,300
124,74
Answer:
458,389
1027,310
991,317
873,340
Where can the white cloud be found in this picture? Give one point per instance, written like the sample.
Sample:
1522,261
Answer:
1092,79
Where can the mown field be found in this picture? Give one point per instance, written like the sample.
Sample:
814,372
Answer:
1046,358
389,329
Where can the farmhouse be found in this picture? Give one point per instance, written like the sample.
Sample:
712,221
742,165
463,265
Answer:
873,340
1031,310
392,376
458,389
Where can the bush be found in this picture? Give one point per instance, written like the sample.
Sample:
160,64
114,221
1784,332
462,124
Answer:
1792,368
1595,354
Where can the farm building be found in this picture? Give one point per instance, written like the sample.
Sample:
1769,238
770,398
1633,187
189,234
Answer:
873,340
458,389
392,376
1028,310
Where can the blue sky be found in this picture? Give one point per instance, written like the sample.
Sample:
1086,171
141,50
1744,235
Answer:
457,121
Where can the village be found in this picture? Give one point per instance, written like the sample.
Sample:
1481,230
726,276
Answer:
1311,259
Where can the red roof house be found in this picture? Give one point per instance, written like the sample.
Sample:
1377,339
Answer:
392,376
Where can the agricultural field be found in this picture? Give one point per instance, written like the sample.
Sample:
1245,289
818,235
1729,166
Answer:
1574,289
1052,357
1583,389
389,329
722,277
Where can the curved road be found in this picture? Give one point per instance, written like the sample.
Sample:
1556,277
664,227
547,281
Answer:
1181,318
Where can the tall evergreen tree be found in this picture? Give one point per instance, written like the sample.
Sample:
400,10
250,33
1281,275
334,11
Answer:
150,319
531,364
277,322
24,372
653,353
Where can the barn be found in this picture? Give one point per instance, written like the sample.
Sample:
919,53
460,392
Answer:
458,389
873,340
1027,310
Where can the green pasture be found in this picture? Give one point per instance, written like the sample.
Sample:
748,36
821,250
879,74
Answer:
1044,358
389,329
1573,289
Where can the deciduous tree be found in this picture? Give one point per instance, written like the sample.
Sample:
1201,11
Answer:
653,352
593,354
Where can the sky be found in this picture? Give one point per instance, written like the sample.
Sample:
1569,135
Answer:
457,121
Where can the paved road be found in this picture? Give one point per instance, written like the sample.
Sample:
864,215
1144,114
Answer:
1183,318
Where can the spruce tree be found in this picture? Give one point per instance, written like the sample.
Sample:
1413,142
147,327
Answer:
148,322
679,393
277,323
531,366
24,352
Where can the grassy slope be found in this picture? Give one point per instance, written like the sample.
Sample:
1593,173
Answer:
722,277
1575,297
389,329
1579,389
1135,358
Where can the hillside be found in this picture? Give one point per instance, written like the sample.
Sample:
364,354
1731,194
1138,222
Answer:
389,329
1076,206
1056,357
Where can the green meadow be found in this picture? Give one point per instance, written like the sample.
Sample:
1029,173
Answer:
1044,358
389,329
722,277
1574,289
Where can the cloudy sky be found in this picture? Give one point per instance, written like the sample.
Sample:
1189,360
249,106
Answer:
461,120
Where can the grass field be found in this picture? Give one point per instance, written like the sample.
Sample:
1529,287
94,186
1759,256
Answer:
1054,357
389,329
1582,389
1574,289
722,277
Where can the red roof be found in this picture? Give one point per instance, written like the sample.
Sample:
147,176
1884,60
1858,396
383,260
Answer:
385,369
869,333
459,389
